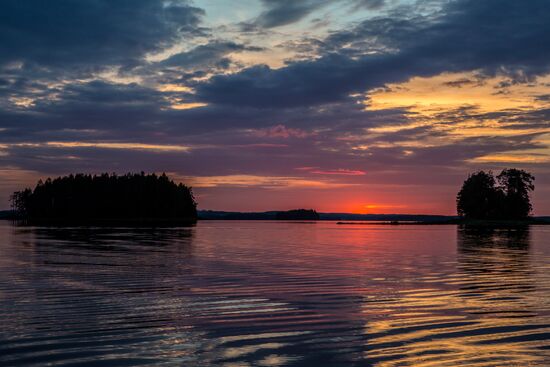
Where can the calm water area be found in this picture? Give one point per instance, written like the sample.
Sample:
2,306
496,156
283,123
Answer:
255,293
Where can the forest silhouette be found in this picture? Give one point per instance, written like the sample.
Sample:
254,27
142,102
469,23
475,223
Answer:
106,198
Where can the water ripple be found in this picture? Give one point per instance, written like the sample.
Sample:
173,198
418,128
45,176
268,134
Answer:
275,294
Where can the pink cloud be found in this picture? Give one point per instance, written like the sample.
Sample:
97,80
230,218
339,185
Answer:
307,168
339,171
281,131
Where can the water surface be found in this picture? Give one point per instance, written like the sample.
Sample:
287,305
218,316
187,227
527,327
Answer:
275,294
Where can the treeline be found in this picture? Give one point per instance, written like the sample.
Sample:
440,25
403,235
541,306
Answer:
504,197
105,198
297,214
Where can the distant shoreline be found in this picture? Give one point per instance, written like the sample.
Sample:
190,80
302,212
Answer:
339,218
472,223
272,215
402,219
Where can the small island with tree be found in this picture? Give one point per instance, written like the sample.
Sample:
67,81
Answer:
106,199
297,214
486,199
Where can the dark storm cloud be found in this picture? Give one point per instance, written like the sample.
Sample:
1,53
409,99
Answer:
303,83
95,105
100,93
212,54
97,33
100,110
493,36
283,12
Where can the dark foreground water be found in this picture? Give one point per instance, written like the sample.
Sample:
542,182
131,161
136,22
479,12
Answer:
275,294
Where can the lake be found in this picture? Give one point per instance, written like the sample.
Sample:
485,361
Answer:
245,293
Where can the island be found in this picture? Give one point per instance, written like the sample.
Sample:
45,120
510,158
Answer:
488,200
106,199
298,214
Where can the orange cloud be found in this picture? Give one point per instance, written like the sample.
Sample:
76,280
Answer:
452,90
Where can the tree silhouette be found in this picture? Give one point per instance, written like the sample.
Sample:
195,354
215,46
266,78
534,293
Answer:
516,186
482,198
106,198
478,197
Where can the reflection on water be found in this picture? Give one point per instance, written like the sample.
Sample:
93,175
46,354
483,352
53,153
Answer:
274,294
484,313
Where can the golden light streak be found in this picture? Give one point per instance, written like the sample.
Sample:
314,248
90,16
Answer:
397,144
273,182
394,128
106,145
188,106
174,88
510,158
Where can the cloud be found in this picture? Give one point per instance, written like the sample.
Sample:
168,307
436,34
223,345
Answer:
368,4
340,172
493,37
337,172
280,131
206,56
92,34
512,158
283,12
300,84
105,145
270,182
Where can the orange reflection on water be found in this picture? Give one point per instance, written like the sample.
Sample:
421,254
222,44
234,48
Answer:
482,315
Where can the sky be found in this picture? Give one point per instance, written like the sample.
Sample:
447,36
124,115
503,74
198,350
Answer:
363,106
